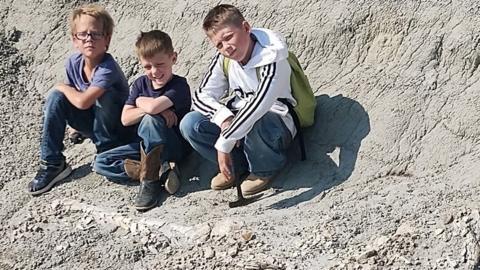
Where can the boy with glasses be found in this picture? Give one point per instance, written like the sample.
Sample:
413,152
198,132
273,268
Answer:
90,100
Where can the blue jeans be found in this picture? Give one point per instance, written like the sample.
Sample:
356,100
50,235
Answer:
101,123
152,131
263,151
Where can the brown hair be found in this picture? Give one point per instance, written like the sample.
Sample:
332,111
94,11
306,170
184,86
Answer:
150,43
96,11
222,15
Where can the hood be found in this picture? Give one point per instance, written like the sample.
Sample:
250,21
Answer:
270,47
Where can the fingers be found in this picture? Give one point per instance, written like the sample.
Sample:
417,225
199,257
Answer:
170,117
225,164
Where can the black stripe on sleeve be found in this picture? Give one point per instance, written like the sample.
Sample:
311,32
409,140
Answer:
268,73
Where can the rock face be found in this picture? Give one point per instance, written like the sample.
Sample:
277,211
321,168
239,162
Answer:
391,177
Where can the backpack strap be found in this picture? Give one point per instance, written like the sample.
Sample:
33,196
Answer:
297,126
226,64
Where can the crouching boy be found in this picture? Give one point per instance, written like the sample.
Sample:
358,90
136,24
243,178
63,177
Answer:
254,129
157,102
90,100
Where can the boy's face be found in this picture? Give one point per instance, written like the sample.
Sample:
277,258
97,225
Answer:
232,41
159,68
89,38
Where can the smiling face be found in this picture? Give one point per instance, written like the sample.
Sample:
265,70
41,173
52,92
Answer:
90,48
233,41
158,68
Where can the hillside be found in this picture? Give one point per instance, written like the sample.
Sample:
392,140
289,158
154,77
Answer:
392,175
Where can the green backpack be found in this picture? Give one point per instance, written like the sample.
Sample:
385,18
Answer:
301,91
303,113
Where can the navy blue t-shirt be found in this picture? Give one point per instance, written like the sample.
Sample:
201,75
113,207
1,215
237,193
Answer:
177,90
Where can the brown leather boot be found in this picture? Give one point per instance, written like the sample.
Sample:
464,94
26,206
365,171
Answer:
132,168
150,185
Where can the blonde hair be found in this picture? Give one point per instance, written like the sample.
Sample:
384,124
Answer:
150,43
96,11
222,15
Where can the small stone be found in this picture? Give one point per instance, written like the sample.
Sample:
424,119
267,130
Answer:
55,204
232,252
252,266
467,219
87,220
405,228
134,228
144,240
247,235
152,249
447,219
270,260
439,231
380,242
453,263
209,253
367,254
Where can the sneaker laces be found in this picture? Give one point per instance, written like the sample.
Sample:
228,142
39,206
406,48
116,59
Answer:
41,173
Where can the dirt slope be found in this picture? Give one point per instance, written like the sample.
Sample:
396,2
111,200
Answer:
391,180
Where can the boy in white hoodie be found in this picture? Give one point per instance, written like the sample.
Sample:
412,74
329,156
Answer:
253,126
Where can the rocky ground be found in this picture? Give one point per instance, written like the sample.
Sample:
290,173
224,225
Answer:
390,182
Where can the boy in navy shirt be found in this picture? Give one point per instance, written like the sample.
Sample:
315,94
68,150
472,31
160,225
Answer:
90,100
157,102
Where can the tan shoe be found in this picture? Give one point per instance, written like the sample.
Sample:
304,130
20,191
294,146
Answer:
220,182
254,184
132,168
172,184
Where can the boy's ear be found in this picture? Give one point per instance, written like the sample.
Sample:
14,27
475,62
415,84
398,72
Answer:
246,26
174,57
107,40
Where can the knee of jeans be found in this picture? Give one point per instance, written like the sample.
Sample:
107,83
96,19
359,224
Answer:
151,121
99,163
54,97
187,124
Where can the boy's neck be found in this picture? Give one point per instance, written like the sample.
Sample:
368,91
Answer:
157,87
91,63
251,45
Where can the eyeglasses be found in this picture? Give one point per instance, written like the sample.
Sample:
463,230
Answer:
84,35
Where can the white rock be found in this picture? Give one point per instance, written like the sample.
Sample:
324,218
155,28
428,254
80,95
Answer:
55,204
225,227
208,253
233,251
133,228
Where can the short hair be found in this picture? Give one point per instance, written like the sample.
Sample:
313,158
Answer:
222,15
96,11
150,43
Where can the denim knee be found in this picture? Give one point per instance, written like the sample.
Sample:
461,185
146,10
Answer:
100,163
189,124
54,98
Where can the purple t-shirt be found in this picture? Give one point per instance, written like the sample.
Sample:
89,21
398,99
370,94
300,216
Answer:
107,75
177,90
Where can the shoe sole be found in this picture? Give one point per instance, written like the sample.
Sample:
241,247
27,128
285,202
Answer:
172,184
146,208
254,191
64,174
222,187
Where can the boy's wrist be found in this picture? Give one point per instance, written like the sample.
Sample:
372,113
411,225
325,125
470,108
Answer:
221,115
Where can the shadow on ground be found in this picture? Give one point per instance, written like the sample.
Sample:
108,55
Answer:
332,146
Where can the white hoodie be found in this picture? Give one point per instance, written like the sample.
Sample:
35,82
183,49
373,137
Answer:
254,95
